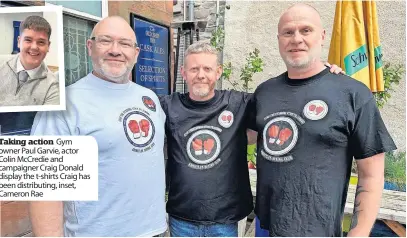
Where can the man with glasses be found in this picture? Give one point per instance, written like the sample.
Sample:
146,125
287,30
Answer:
26,80
128,123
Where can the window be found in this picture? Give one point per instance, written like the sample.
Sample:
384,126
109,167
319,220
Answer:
79,18
77,62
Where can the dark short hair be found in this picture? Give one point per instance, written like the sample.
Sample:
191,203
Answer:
36,23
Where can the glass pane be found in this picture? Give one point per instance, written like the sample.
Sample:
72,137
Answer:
77,61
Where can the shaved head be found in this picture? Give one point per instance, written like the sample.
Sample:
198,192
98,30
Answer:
110,23
300,11
113,49
300,38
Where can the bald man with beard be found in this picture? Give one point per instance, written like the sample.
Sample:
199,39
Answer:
311,124
128,124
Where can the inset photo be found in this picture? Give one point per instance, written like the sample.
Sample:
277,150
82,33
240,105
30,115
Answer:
31,59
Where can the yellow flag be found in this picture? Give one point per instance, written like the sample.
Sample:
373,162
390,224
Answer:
355,44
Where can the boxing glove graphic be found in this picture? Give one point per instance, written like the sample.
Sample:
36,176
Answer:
318,110
149,103
134,128
312,107
229,118
197,146
208,146
145,127
285,134
315,110
273,133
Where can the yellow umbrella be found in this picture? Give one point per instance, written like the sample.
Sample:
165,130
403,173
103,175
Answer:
355,44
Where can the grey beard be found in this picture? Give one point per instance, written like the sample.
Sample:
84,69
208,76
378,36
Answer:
301,65
200,92
119,79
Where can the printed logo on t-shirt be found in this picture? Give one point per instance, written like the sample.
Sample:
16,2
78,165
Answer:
315,110
280,135
203,147
225,119
149,103
139,128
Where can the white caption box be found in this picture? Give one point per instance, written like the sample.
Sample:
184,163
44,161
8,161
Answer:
48,168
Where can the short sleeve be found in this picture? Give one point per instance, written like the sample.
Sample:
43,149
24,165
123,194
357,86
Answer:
369,135
251,112
163,101
50,123
162,113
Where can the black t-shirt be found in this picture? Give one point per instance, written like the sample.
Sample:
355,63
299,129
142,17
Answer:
309,130
207,164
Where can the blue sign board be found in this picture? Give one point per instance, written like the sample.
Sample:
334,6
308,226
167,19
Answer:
152,68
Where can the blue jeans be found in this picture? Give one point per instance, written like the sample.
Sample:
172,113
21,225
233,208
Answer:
182,228
258,231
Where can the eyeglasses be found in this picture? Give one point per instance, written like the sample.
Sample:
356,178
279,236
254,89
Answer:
106,41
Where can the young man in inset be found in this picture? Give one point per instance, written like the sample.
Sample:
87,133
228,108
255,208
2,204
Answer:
25,79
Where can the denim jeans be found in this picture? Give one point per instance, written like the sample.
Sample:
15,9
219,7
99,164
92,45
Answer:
182,228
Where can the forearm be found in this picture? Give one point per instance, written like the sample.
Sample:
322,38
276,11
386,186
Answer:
367,204
46,218
251,137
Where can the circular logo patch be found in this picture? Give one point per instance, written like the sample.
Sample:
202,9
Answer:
203,147
280,135
139,128
225,119
315,110
149,103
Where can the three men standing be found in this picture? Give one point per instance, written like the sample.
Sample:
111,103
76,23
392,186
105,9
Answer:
309,132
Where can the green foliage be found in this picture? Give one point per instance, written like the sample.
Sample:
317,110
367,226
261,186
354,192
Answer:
391,76
217,39
251,154
227,71
395,168
254,64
